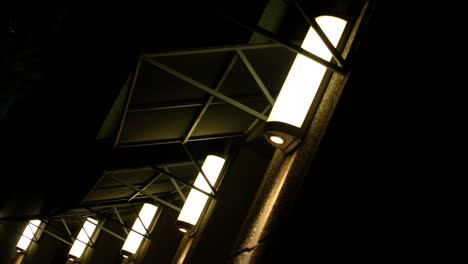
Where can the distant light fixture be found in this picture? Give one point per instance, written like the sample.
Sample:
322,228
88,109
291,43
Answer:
28,235
285,123
197,200
141,224
83,238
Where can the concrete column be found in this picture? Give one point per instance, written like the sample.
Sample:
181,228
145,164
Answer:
284,177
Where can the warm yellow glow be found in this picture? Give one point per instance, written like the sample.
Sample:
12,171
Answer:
305,75
28,234
277,140
196,200
183,230
82,239
141,224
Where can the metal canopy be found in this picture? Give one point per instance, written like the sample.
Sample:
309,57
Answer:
240,89
203,98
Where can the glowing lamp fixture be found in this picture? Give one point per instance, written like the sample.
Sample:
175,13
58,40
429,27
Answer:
28,235
284,126
197,200
141,224
82,239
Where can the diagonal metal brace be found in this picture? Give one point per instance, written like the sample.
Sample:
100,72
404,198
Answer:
157,199
199,169
256,77
184,182
207,89
288,45
313,24
54,236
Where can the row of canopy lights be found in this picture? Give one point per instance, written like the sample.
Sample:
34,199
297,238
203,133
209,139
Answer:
187,220
284,129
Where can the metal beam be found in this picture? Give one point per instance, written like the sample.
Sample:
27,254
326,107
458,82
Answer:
66,228
200,170
210,100
188,104
252,125
146,186
125,170
120,219
105,203
57,237
212,49
313,24
70,214
53,235
175,164
207,89
179,191
112,233
112,220
102,203
184,182
256,77
157,199
166,165
175,105
179,140
127,103
289,45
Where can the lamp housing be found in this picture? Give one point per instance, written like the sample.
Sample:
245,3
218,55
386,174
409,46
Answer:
303,87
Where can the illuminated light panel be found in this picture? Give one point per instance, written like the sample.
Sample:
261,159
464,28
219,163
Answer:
305,75
197,200
82,239
141,224
28,235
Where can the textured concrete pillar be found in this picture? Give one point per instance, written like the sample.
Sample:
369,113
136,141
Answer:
284,177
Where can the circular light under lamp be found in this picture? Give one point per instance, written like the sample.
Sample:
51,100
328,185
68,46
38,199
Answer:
277,140
282,136
184,227
126,254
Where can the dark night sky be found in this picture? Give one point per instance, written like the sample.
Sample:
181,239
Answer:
66,65
47,137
